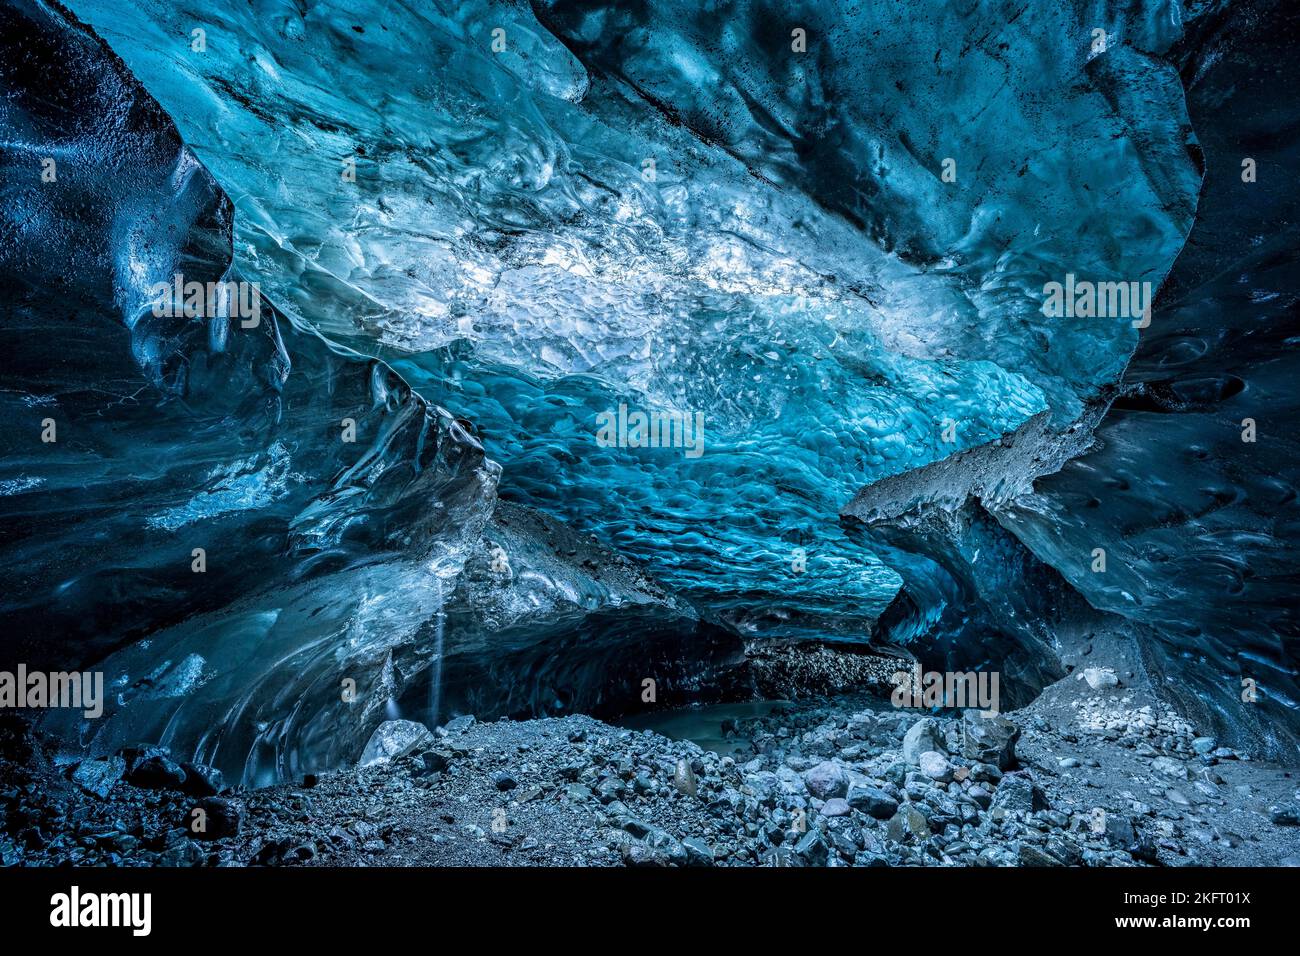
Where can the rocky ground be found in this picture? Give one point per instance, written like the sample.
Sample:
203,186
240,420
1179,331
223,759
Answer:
1093,776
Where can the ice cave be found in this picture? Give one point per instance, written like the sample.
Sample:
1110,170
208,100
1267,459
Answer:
592,407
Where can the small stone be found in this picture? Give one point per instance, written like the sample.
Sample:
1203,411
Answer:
826,780
504,781
935,766
908,821
836,807
684,778
872,801
577,792
922,736
99,776
1204,745
1031,855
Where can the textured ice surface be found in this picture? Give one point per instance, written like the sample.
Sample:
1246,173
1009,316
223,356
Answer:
670,208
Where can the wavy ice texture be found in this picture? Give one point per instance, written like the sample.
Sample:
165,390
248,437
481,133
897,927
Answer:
667,207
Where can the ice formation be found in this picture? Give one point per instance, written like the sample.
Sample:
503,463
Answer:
476,228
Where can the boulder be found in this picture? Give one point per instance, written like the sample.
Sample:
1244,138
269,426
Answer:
393,739
457,725
202,780
156,772
924,735
1100,678
990,740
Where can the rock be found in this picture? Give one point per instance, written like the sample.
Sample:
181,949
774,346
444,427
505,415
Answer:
924,735
1100,678
1120,832
935,766
156,772
202,780
908,822
667,846
1068,763
637,854
826,780
220,819
637,827
577,792
98,776
1170,767
872,801
457,726
433,761
990,740
609,790
812,848
395,738
684,778
1204,745
698,853
504,781
1018,794
836,807
1286,815
1031,855
185,854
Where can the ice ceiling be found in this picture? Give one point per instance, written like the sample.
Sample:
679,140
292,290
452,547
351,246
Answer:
476,227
